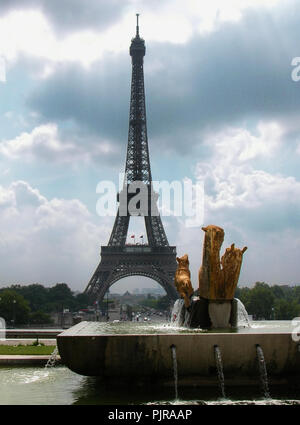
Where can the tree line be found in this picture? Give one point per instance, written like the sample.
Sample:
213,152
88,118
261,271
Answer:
276,302
32,304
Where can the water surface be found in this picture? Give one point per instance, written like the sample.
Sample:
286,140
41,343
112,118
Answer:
60,386
138,328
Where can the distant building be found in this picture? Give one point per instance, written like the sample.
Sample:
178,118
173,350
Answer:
126,295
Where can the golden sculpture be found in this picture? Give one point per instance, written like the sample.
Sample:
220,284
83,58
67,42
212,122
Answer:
183,279
210,270
218,278
231,264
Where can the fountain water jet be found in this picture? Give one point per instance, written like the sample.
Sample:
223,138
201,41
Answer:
174,358
53,358
219,364
242,314
263,371
178,313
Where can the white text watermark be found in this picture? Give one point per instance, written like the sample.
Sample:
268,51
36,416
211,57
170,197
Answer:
296,329
177,198
295,74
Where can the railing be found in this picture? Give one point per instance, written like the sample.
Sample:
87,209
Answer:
138,249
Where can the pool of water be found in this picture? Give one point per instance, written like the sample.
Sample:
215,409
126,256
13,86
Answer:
134,328
60,386
38,385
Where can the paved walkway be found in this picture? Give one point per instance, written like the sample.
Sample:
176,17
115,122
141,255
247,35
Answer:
27,341
9,360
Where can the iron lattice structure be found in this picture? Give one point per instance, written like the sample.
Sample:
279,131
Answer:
156,259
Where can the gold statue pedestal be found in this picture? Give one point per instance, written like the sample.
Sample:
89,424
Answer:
219,313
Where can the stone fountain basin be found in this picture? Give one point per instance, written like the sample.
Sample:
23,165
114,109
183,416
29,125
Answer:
130,357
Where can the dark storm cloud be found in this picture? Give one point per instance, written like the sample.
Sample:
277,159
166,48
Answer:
242,71
96,99
70,15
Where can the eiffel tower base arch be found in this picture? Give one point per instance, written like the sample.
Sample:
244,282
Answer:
117,263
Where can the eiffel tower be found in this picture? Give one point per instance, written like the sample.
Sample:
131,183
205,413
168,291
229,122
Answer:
156,259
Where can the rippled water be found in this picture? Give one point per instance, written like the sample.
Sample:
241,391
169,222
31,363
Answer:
38,385
59,385
124,328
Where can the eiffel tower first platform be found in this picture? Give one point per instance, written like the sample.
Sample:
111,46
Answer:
156,259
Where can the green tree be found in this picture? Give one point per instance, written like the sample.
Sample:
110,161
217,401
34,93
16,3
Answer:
260,301
60,296
277,291
296,293
13,307
81,301
243,294
286,310
40,318
36,295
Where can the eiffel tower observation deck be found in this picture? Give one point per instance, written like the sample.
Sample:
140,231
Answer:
156,259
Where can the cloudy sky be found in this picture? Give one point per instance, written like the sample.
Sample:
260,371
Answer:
222,108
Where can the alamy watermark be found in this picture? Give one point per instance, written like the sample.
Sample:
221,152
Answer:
296,329
295,74
176,198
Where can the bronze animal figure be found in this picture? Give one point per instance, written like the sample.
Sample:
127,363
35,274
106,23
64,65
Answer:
183,280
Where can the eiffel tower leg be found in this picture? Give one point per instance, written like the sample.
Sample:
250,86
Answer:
119,232
170,290
155,231
98,284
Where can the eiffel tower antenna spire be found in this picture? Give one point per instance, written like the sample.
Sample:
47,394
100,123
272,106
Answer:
156,259
137,25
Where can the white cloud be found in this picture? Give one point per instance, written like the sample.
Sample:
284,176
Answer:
25,195
239,144
256,208
29,32
2,70
231,176
46,240
191,16
44,142
7,198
